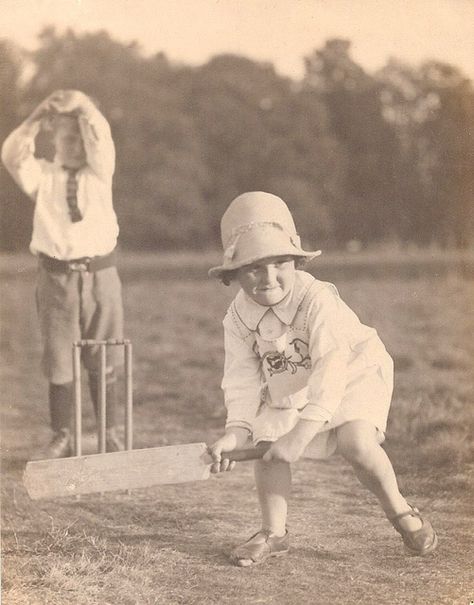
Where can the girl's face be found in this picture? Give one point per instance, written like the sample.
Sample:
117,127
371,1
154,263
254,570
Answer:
269,280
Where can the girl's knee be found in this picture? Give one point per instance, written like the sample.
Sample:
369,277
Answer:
356,441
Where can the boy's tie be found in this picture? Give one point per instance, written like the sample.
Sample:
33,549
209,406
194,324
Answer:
71,194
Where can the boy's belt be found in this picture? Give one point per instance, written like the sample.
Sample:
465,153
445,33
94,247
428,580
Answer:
86,264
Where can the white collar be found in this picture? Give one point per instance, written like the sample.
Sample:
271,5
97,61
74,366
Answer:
251,313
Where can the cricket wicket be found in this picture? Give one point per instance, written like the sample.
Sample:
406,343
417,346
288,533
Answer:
77,347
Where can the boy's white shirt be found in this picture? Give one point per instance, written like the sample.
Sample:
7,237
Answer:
340,346
54,233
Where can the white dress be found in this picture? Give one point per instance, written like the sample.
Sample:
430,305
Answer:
307,357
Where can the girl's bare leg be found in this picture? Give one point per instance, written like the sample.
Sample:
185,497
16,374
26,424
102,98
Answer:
357,442
273,481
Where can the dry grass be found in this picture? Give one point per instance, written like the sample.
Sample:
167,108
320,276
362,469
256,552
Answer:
168,545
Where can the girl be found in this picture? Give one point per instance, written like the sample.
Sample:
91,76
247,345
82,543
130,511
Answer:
302,373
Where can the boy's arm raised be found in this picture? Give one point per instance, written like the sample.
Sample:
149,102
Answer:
98,142
95,131
18,148
18,152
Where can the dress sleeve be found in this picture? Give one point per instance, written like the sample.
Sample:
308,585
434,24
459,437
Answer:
241,382
18,157
329,350
98,142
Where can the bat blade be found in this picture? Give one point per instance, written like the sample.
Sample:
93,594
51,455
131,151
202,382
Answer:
125,470
131,469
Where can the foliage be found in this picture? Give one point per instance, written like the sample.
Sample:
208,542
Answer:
432,110
356,156
16,210
365,209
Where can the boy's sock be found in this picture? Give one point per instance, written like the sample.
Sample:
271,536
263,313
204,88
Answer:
60,406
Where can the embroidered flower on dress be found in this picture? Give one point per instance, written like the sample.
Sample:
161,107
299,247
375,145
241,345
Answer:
278,362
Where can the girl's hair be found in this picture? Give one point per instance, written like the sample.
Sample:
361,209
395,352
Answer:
227,277
300,262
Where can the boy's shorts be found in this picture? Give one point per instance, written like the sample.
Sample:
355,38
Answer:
73,306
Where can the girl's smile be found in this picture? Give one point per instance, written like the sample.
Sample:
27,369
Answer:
269,280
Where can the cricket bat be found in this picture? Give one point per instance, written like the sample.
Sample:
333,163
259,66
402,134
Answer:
131,469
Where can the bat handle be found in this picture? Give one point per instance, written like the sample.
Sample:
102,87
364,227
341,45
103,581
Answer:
253,453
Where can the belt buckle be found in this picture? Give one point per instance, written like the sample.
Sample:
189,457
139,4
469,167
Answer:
81,266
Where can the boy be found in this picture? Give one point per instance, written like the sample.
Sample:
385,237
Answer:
74,236
302,373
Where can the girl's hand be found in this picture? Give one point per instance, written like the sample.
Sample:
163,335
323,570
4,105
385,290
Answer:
286,449
291,446
232,439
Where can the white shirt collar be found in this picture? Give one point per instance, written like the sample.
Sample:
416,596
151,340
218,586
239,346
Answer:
251,312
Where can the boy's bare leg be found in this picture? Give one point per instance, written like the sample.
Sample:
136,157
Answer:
357,442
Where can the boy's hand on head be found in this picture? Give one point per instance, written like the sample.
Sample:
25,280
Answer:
65,101
43,111
52,105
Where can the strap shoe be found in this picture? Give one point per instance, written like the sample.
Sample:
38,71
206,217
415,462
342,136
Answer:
259,547
420,541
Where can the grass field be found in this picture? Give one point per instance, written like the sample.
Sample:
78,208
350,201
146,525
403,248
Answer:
168,545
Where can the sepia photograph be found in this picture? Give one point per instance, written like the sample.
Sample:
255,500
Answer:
237,295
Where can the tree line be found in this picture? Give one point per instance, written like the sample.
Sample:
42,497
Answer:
358,157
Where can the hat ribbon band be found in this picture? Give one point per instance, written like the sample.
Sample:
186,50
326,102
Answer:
237,232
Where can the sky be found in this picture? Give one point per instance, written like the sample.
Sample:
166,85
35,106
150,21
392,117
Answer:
279,31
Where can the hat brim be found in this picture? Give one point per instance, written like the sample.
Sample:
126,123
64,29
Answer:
219,271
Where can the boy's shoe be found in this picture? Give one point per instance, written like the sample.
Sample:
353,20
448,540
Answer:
60,446
420,541
254,552
113,441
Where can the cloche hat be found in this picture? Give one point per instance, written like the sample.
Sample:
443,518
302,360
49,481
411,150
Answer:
255,226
